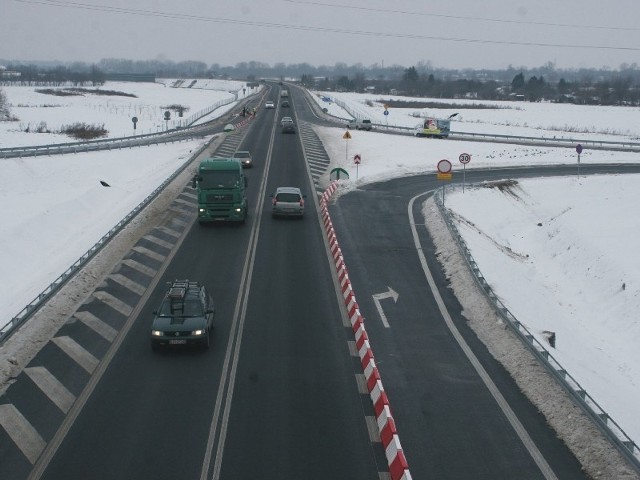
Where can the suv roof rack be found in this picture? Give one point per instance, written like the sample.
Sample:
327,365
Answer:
179,288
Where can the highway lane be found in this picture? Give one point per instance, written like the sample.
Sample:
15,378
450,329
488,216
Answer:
450,424
275,397
295,360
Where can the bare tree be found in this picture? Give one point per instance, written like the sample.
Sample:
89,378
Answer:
4,106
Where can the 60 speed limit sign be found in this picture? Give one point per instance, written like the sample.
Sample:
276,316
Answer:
464,158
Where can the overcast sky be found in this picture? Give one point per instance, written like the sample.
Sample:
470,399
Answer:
456,34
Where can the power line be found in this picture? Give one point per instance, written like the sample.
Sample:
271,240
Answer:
182,16
461,17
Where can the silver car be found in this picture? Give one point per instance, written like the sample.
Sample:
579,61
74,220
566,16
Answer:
287,202
245,158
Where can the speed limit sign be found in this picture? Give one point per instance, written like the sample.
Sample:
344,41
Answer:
464,158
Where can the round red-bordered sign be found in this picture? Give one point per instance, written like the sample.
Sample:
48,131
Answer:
444,166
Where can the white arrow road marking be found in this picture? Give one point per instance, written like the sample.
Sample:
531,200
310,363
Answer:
391,293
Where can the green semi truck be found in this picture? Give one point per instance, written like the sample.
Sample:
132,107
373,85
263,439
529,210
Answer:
221,185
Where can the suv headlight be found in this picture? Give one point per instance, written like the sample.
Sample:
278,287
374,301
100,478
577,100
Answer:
157,333
197,333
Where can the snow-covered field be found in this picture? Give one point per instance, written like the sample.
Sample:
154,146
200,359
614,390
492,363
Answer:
32,111
501,118
576,273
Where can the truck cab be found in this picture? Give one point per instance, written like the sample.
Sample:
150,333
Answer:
221,188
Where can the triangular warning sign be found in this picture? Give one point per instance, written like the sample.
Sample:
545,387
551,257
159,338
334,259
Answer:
347,135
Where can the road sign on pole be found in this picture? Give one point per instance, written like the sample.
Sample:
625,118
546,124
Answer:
464,159
347,137
444,173
444,166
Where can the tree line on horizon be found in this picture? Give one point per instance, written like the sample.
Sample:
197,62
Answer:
583,86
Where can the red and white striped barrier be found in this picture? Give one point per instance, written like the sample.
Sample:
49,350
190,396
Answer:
398,467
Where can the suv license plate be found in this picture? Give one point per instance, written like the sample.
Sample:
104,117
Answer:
177,342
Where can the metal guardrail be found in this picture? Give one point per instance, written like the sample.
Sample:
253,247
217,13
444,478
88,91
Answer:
36,303
602,419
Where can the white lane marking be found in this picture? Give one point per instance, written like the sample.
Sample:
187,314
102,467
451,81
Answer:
390,293
158,241
77,353
361,382
115,303
149,253
522,433
26,438
94,323
51,387
169,231
127,283
148,271
372,428
232,354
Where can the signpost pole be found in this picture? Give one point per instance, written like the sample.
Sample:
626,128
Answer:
464,175
579,151
464,158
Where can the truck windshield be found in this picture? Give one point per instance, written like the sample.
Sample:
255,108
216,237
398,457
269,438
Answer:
219,179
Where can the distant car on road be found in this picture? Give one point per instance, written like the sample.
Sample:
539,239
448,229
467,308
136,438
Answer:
287,202
245,158
185,316
269,104
284,104
360,124
229,127
287,125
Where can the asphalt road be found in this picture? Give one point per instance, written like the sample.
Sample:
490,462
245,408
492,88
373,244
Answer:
449,420
275,397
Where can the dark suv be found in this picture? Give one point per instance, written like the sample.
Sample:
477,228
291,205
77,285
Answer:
185,316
